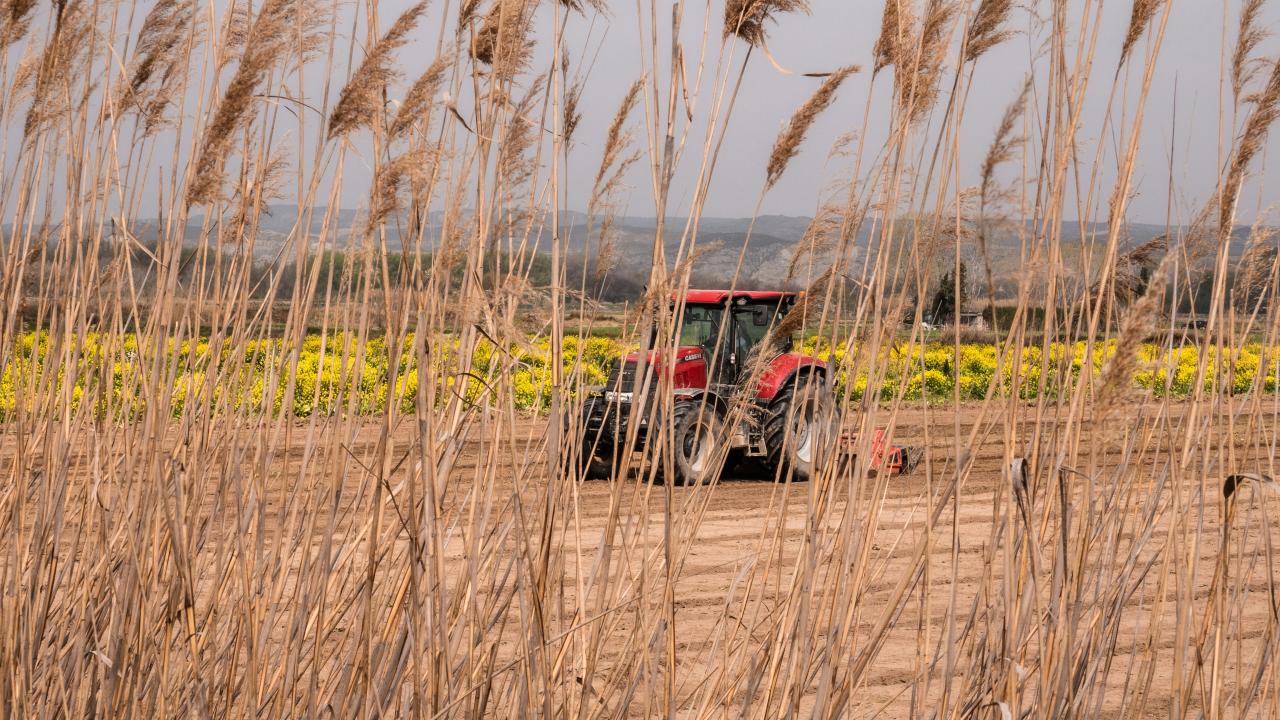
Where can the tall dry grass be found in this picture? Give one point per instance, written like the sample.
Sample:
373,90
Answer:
167,548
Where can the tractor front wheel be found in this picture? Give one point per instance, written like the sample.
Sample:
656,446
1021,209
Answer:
699,432
801,429
595,447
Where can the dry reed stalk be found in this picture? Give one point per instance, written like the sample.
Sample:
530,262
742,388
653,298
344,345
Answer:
359,104
999,152
789,140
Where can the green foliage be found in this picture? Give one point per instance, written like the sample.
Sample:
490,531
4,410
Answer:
949,297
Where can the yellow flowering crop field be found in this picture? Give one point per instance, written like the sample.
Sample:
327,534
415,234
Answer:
337,374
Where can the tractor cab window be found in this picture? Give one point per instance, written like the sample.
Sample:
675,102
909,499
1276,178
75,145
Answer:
752,324
701,326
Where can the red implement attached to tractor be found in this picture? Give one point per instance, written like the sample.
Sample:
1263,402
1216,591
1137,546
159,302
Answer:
789,421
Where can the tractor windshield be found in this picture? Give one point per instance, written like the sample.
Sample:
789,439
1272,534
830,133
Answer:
701,325
753,323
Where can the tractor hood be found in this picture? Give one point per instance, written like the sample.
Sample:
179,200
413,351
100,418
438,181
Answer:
690,369
684,353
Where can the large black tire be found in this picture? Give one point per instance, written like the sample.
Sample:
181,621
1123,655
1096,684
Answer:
800,430
596,451
699,430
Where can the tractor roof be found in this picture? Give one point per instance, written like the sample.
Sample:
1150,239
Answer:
719,297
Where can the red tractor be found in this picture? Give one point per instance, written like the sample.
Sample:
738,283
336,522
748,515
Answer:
789,421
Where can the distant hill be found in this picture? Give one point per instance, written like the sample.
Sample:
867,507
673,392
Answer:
765,260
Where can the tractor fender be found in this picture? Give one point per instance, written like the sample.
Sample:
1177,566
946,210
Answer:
713,399
785,370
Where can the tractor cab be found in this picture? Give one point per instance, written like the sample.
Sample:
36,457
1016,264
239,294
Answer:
726,327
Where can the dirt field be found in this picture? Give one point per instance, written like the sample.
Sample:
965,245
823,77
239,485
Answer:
1108,565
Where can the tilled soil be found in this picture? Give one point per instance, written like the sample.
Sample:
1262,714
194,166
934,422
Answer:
1094,578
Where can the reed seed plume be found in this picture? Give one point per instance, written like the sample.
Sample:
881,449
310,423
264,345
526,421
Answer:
895,34
267,40
1139,18
818,238
572,115
1134,269
235,34
617,139
1255,268
1141,316
15,20
805,310
1138,323
359,104
159,56
1002,145
59,66
615,161
987,28
789,140
503,40
597,5
747,18
1147,255
417,102
1249,35
410,171
920,70
515,165
1266,108
467,13
606,257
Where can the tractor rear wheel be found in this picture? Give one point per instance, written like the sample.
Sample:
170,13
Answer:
699,431
801,429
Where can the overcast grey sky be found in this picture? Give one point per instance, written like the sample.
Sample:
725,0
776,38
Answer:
839,32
